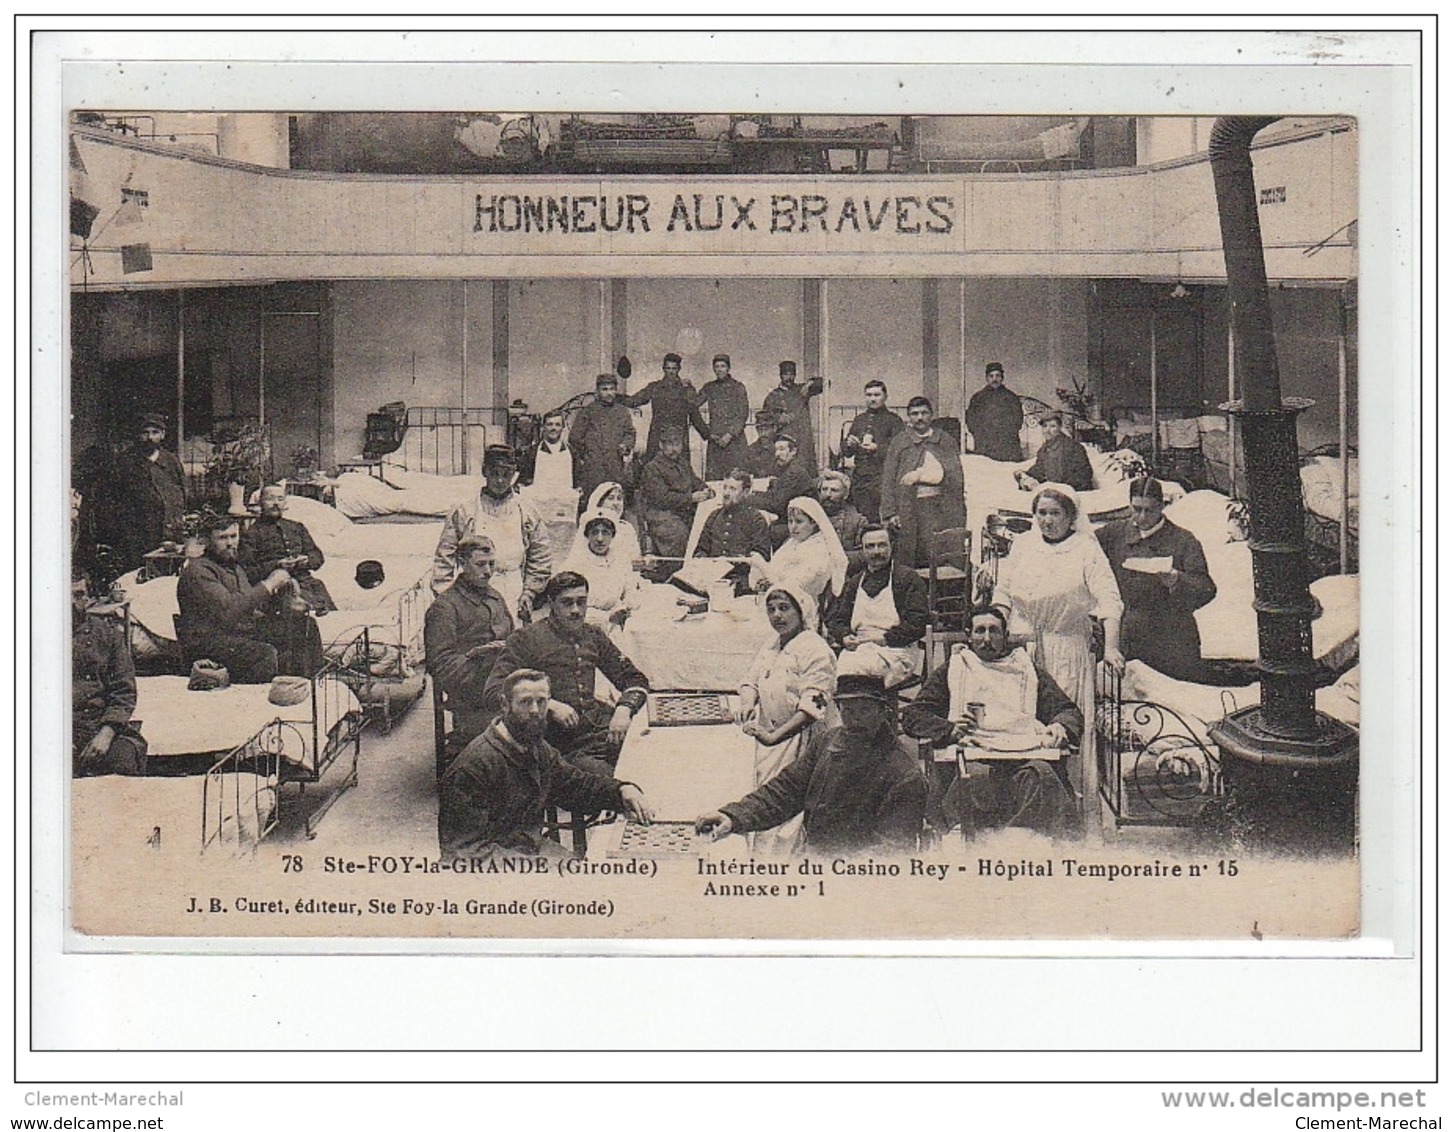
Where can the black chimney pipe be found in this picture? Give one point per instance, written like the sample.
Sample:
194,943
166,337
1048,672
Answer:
1285,731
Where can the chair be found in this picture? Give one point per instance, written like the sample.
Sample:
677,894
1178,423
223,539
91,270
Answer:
950,578
443,728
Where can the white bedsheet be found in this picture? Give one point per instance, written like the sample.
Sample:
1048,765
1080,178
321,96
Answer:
363,496
151,818
1321,487
989,486
176,721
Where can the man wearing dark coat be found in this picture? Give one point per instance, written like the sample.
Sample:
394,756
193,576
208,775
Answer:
494,796
866,442
994,417
672,407
602,437
881,616
736,529
922,485
1062,459
727,411
792,477
569,651
1159,625
858,787
464,630
833,492
761,452
103,693
149,494
274,543
791,407
669,492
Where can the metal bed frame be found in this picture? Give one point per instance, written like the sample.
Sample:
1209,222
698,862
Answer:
361,655
225,791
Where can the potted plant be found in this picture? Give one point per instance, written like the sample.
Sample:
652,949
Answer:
239,459
305,463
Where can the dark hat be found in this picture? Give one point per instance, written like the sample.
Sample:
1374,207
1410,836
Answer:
369,573
671,358
499,456
721,358
862,688
154,420
765,416
787,367
606,379
992,367
672,432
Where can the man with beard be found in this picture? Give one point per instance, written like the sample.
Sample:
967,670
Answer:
832,492
858,787
994,417
602,438
672,407
275,543
522,556
922,484
221,615
791,477
881,615
570,651
103,693
494,796
996,698
727,411
669,492
790,404
149,495
866,443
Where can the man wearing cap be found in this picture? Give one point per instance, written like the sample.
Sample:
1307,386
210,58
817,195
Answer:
570,651
464,630
274,543
672,406
221,615
833,491
790,406
522,556
149,493
866,443
669,492
103,693
1061,459
881,615
727,411
494,796
922,484
602,437
858,787
996,698
994,417
761,452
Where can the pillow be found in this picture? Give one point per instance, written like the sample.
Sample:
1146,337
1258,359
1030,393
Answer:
323,522
1205,514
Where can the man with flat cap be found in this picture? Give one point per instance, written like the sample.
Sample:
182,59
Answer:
790,406
994,417
672,405
1061,459
858,787
727,411
149,493
602,437
669,493
522,557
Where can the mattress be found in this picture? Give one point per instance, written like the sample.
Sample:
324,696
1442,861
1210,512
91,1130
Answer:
1321,488
989,486
363,496
176,721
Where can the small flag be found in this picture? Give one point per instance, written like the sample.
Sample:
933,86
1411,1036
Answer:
134,258
133,202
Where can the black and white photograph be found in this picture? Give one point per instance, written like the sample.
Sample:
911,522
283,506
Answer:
541,521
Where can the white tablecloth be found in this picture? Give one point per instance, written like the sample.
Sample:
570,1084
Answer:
708,651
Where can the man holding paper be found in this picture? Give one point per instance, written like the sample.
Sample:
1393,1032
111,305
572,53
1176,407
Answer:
1163,578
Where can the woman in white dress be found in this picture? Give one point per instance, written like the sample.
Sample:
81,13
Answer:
1052,582
811,559
786,699
610,498
615,590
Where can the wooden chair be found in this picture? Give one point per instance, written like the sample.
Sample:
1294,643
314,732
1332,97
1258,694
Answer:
443,728
950,578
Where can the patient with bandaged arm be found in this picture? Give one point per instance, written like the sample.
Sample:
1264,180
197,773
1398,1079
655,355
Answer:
995,700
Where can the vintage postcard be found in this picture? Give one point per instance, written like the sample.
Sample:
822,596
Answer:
509,521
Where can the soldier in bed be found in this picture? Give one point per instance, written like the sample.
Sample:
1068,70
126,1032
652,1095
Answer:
274,543
1159,607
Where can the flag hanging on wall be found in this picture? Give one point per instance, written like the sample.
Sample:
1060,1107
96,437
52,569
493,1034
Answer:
134,258
83,210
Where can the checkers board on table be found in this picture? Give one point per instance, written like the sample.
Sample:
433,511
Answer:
682,709
659,839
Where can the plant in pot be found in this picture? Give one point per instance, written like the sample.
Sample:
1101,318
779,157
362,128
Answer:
239,459
305,463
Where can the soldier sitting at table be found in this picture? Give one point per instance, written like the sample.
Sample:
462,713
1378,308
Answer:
669,492
494,796
103,693
858,787
737,528
570,651
998,699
